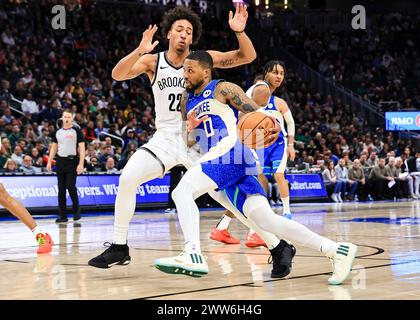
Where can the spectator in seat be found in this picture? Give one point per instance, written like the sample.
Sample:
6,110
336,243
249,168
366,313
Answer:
29,105
26,166
45,138
413,165
131,137
405,178
15,135
110,166
94,165
89,131
342,174
378,180
36,158
393,172
11,166
373,159
356,174
18,155
121,164
332,184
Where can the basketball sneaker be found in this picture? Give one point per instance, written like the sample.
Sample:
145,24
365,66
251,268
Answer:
61,219
282,257
254,240
189,264
116,254
223,236
45,243
342,262
287,215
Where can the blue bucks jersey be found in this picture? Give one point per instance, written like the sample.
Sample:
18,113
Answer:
225,159
274,158
219,129
271,109
217,135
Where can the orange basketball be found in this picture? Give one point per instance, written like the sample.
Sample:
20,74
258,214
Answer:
254,128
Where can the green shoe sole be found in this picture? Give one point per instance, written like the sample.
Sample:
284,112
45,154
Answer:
180,270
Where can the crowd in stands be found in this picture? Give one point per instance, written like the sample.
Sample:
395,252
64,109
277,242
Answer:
381,63
50,70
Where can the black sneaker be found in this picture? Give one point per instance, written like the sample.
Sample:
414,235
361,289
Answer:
282,256
76,216
115,254
61,219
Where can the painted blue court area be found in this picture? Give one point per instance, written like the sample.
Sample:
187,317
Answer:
387,220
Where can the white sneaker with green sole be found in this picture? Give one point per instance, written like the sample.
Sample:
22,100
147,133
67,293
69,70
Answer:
189,264
342,262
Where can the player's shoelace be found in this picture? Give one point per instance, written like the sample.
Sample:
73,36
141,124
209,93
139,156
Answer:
42,240
109,246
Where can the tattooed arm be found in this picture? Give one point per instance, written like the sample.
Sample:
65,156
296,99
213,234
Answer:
230,59
246,52
230,93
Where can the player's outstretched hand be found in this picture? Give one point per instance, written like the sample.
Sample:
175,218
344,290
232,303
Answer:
193,122
237,22
146,44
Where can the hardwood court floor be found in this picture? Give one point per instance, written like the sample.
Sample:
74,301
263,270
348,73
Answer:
387,267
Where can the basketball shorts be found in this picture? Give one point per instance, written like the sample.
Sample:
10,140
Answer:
274,158
171,150
237,179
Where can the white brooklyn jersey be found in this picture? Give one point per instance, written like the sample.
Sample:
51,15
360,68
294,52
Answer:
167,85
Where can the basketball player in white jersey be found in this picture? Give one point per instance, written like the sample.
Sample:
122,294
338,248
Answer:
167,148
212,106
16,208
272,159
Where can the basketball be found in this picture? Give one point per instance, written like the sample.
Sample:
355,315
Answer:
254,128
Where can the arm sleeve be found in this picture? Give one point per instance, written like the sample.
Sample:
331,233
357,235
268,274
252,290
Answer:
288,118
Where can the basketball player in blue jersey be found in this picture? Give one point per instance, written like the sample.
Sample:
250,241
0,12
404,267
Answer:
273,159
212,108
182,27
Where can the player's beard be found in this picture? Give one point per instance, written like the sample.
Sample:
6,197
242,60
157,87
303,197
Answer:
194,86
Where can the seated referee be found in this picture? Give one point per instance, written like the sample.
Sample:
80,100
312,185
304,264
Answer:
68,163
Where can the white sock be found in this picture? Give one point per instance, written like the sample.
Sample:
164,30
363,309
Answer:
286,204
328,247
258,210
192,185
120,233
36,231
192,247
223,223
251,231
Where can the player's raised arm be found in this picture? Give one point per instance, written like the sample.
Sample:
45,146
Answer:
230,93
246,52
139,61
